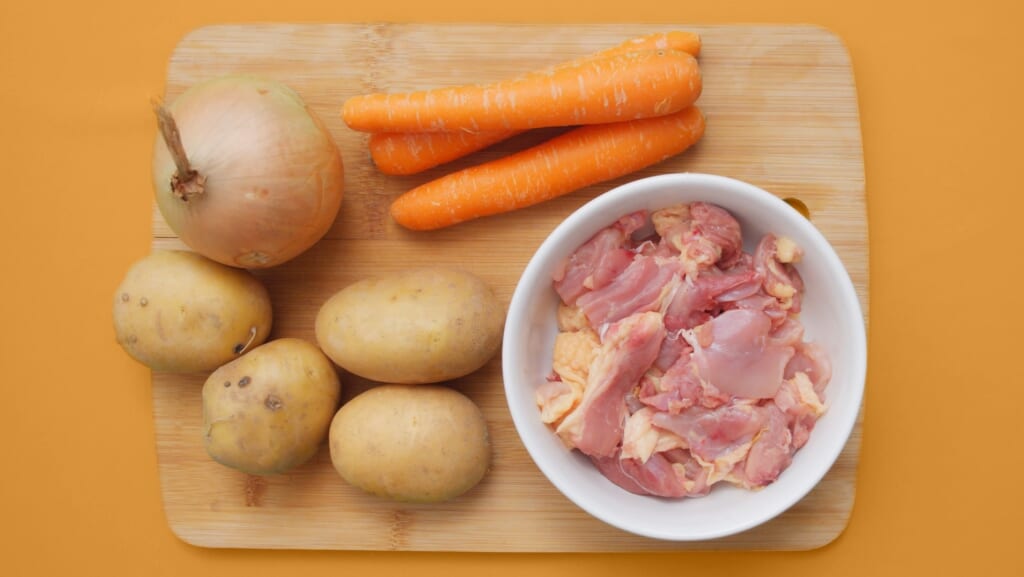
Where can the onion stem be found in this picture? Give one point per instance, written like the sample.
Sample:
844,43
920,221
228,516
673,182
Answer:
186,183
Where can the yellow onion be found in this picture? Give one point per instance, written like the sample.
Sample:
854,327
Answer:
245,174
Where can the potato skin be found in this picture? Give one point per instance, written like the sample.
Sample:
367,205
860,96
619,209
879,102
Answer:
177,311
271,409
424,325
411,443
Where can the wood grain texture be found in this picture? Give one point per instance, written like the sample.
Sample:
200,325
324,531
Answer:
782,114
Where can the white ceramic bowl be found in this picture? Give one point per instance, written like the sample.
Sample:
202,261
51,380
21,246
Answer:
831,315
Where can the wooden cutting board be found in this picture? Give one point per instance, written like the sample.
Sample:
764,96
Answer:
782,113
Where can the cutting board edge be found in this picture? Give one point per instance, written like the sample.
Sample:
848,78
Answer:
197,32
205,536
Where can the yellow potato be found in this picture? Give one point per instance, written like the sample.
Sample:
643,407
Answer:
177,311
270,410
412,443
414,327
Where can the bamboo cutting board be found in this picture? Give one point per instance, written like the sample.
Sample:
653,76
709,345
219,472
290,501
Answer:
782,113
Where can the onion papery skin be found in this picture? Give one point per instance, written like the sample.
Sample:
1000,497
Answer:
273,178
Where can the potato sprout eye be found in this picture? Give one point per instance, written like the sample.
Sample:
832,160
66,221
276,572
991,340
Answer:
273,403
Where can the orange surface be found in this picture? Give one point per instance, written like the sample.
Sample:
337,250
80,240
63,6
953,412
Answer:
939,488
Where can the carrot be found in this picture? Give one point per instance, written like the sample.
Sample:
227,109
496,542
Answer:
616,88
413,152
568,162
689,42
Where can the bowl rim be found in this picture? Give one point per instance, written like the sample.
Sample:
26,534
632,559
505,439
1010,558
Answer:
519,303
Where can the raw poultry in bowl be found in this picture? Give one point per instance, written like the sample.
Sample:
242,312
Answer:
636,455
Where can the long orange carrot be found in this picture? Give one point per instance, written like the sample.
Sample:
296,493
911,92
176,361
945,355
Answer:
621,87
568,162
402,153
413,152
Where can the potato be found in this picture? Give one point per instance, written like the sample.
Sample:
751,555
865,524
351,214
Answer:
418,326
177,311
411,443
271,409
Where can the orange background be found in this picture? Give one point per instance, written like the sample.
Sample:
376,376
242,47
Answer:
940,482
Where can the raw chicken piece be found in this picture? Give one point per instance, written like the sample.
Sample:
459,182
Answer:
677,389
763,303
780,277
641,439
690,471
627,351
802,406
670,474
611,468
571,318
555,398
743,266
655,477
769,454
671,348
718,228
670,218
704,235
573,354
733,353
633,404
643,286
680,388
697,299
720,438
813,361
787,251
599,260
788,334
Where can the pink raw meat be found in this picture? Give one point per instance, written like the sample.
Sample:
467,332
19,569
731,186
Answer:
781,280
596,262
697,299
733,353
710,433
702,354
627,352
657,476
709,236
641,287
771,452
